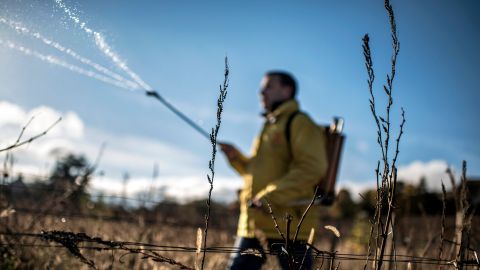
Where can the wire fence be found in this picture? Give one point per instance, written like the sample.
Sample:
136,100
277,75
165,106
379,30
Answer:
98,244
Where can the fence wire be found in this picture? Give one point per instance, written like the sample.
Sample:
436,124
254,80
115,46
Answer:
93,244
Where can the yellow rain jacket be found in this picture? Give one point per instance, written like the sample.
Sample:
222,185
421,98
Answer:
282,174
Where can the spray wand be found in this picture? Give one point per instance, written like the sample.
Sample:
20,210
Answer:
154,94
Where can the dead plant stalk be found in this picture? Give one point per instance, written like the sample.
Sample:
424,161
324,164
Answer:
211,164
387,179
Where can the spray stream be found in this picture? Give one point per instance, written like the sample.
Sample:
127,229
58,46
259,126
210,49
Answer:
54,60
111,78
103,45
121,64
19,28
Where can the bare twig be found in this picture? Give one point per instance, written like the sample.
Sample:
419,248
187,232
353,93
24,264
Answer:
304,215
71,241
374,220
31,139
290,249
442,234
23,130
393,249
400,133
8,156
386,185
211,164
463,219
308,248
274,219
388,222
454,186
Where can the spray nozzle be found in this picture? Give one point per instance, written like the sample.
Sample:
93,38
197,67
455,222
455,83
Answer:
152,93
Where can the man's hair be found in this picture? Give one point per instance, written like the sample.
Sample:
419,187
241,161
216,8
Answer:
286,79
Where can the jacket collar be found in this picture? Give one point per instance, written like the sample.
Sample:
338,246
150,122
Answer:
285,108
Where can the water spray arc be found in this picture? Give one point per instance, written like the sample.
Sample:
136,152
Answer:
19,28
56,61
108,76
103,46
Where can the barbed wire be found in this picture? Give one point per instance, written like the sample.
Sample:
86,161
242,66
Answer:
318,254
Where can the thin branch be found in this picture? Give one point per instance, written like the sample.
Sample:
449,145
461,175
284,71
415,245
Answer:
31,139
371,78
8,156
442,234
211,164
397,151
390,78
388,223
373,222
274,219
290,249
71,240
454,187
387,185
305,214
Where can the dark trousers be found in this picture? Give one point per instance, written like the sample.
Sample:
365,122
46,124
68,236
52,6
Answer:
239,261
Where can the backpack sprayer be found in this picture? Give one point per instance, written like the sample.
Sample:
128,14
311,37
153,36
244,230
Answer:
334,139
334,145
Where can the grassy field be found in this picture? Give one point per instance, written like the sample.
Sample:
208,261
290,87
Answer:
415,236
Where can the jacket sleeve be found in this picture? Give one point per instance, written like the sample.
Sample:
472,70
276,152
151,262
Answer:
308,166
241,163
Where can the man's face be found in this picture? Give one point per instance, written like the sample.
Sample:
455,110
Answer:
272,91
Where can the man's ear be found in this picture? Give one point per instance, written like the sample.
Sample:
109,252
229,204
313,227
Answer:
288,92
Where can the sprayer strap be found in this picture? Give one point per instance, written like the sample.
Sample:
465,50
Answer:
288,132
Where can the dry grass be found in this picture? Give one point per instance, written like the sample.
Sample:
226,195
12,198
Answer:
411,242
60,258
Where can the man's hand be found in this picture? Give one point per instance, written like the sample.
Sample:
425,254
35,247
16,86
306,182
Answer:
258,205
230,151
255,203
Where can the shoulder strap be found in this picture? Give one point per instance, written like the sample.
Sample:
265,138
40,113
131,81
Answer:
288,133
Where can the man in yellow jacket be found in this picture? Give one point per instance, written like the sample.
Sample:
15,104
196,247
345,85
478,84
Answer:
281,171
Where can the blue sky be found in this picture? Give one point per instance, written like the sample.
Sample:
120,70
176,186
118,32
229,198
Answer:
178,49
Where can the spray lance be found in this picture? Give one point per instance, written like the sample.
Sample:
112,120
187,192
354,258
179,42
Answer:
152,93
156,95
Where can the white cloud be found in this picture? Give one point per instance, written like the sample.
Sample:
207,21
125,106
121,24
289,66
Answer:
182,188
137,155
13,118
181,171
73,125
11,114
355,187
433,171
